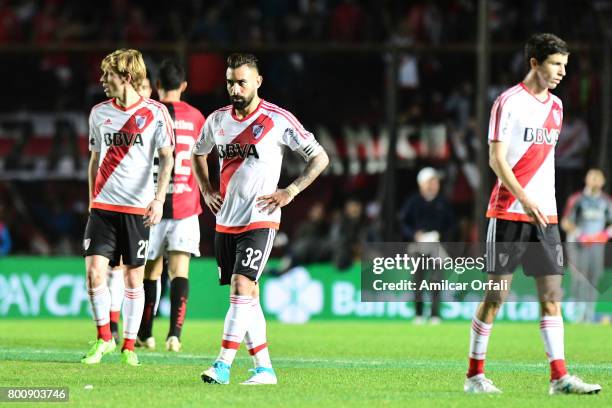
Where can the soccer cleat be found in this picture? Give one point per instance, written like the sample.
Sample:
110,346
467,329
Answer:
173,344
97,350
219,373
435,320
418,321
261,376
479,384
570,384
148,344
130,358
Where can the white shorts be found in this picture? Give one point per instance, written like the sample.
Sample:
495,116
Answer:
175,235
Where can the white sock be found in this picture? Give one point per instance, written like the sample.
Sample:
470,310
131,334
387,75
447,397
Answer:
255,338
551,328
237,320
157,295
479,339
100,304
133,305
116,286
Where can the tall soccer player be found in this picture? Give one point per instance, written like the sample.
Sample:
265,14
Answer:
115,274
124,133
250,135
178,233
524,128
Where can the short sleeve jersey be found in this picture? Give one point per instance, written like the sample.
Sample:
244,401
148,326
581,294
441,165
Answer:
250,153
530,128
183,198
127,139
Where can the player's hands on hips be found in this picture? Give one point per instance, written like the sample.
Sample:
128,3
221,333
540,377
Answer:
534,212
213,200
272,202
153,213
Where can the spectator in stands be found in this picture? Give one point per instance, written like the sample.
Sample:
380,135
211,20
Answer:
347,233
427,217
310,243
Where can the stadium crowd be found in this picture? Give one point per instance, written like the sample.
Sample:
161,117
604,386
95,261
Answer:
46,216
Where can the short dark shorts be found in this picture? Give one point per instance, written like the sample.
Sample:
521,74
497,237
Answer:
512,243
244,254
116,236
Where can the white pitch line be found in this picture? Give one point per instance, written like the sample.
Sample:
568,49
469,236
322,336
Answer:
353,362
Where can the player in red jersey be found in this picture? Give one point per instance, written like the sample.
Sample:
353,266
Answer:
524,128
124,133
178,234
250,136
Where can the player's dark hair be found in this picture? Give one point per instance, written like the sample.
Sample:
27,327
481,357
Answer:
171,74
237,60
541,45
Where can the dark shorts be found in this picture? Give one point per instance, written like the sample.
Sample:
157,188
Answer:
116,236
244,254
512,243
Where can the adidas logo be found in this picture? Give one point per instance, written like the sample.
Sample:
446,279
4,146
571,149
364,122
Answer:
221,132
107,121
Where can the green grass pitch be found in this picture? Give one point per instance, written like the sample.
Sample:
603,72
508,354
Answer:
320,364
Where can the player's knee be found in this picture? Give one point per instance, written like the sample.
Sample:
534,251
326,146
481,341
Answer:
134,277
95,275
178,273
551,308
242,285
492,306
152,272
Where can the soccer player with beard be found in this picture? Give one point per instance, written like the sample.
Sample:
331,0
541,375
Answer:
250,136
124,133
177,236
524,127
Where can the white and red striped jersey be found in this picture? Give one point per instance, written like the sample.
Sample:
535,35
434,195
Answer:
250,154
127,139
530,128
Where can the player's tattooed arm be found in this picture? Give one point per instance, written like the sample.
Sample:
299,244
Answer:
315,166
284,196
92,172
212,198
155,209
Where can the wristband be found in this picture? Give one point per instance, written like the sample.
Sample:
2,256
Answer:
292,189
155,199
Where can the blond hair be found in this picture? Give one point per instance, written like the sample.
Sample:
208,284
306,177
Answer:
126,62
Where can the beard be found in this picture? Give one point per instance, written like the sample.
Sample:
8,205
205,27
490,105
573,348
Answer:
240,102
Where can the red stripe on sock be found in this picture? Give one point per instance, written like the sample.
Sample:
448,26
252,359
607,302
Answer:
476,367
480,330
257,349
557,369
230,345
114,316
104,332
128,344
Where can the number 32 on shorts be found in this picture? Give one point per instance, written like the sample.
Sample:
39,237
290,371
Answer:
143,248
252,257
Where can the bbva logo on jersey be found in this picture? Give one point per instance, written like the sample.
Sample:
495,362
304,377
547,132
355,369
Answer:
232,150
541,136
